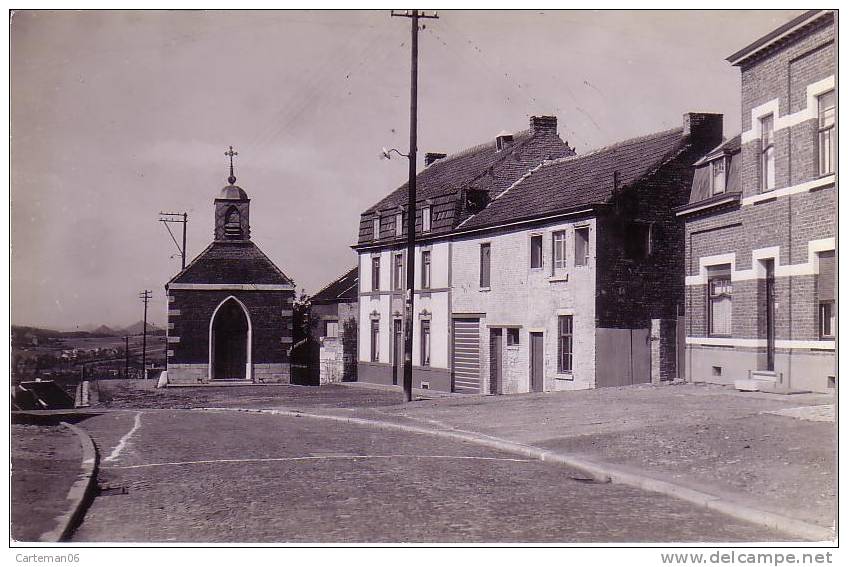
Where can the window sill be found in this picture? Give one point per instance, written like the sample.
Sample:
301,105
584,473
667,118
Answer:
565,376
563,278
485,289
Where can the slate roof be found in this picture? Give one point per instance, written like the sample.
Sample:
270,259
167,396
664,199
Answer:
231,262
573,182
345,288
481,167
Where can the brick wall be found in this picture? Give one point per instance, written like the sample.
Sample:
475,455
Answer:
270,317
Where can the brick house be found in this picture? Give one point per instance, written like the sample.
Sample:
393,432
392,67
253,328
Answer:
450,189
571,278
230,309
335,315
760,224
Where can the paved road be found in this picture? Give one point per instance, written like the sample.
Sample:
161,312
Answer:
196,476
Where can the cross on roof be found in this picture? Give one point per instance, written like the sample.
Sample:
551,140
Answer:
231,153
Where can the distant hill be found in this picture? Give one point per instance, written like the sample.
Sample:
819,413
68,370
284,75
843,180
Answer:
104,330
138,327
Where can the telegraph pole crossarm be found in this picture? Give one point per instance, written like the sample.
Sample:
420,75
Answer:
415,15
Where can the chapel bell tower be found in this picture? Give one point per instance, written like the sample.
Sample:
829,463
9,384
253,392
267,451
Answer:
232,209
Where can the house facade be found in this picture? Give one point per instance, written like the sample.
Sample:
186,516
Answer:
230,309
572,277
760,224
335,316
450,189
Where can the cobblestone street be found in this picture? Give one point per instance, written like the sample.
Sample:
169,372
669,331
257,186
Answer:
197,476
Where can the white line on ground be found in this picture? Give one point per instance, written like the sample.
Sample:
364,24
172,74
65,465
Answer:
116,452
316,458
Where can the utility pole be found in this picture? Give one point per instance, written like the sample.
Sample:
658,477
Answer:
415,15
126,357
182,218
145,297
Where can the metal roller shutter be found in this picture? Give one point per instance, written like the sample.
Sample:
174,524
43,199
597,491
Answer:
466,356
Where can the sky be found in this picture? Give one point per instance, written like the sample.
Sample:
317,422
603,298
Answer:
116,116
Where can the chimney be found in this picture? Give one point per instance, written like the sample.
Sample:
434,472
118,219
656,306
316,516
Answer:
542,124
705,129
431,157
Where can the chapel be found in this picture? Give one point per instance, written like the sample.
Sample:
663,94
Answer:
230,309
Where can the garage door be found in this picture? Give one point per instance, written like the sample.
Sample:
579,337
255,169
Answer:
466,356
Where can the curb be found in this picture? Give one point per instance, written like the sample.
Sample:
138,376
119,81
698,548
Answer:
599,472
82,491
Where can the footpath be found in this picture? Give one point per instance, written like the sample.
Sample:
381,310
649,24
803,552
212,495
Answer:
53,469
754,455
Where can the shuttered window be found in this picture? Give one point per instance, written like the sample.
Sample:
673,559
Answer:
536,251
375,273
720,303
827,133
826,288
485,264
581,246
375,340
558,239
565,342
767,158
425,343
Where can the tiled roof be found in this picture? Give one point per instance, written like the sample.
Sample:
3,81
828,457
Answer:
564,184
345,288
481,167
232,262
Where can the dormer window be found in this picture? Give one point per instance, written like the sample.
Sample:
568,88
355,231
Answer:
503,141
719,176
426,217
377,228
399,224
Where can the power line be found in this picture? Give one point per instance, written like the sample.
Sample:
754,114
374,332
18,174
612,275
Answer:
145,296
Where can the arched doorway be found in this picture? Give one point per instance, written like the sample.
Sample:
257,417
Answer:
230,341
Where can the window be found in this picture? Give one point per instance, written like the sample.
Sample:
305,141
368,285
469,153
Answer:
425,219
398,271
399,224
536,251
512,337
637,241
485,264
581,246
827,122
826,291
719,176
767,157
331,329
377,228
558,240
375,340
425,269
375,273
719,301
425,343
565,342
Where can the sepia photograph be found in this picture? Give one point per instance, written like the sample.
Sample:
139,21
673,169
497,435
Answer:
424,278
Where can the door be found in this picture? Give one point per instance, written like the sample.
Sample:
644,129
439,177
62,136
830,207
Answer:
229,342
466,356
397,350
770,315
495,360
537,362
